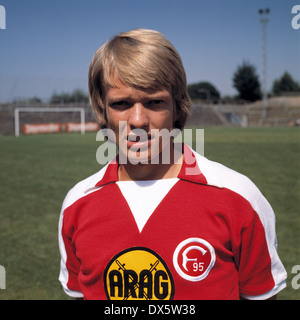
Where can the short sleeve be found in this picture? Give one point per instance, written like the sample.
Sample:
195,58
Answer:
261,273
69,264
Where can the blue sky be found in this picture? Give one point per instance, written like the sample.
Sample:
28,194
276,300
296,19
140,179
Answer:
48,45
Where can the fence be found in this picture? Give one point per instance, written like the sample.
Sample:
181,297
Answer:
281,111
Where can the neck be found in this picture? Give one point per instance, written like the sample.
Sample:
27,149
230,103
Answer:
150,171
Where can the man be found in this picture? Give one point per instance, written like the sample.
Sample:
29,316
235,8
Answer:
147,228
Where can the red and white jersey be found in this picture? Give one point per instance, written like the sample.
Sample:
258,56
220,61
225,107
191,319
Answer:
207,234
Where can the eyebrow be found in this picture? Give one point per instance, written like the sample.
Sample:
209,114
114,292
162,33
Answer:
154,96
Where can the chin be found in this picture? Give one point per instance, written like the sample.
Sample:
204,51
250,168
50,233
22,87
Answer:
139,157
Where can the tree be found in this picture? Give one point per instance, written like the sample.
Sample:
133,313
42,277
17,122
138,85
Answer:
286,84
203,91
246,82
76,96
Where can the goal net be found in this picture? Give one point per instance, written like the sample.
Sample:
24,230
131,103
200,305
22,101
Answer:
51,126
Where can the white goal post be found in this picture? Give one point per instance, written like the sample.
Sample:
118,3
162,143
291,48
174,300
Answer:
19,110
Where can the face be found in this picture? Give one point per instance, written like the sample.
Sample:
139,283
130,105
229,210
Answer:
142,115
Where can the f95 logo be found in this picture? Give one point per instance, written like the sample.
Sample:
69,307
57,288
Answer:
296,18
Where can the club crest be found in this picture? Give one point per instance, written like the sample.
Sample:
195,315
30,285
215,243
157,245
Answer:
193,259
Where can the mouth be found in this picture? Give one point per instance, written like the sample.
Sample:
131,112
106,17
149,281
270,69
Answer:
138,141
135,138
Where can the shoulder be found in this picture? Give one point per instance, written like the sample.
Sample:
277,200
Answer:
236,181
221,176
83,188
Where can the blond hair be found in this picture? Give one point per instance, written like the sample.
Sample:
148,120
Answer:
141,59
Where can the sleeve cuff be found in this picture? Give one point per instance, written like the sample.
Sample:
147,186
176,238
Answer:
268,294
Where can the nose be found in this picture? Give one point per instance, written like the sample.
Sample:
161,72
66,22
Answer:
138,117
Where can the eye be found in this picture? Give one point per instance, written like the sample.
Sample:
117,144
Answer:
122,104
155,102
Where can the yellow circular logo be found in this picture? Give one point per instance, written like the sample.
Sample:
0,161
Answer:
138,273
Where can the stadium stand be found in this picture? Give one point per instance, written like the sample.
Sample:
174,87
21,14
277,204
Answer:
281,111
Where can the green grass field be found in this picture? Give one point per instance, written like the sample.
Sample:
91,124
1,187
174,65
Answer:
37,171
